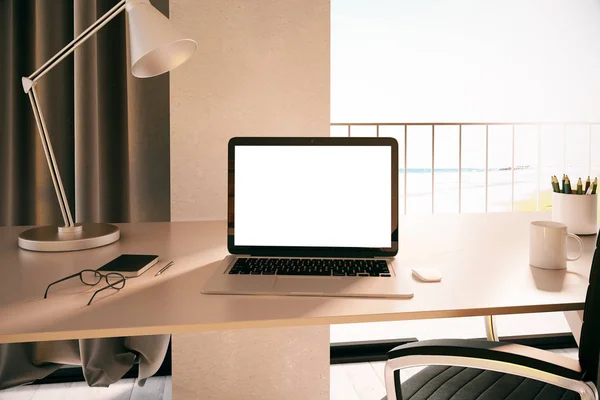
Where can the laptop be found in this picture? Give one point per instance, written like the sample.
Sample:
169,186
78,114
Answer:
311,217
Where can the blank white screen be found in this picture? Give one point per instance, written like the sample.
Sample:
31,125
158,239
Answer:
318,196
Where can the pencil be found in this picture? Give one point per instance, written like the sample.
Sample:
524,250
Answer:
567,186
579,186
555,187
595,185
587,184
563,183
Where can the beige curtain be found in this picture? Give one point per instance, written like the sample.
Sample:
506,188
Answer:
110,131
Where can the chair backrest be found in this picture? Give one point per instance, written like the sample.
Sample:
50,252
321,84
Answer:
589,344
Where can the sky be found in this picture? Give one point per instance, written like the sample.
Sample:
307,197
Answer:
469,61
448,60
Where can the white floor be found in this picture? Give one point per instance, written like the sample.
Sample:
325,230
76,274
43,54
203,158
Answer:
364,381
156,388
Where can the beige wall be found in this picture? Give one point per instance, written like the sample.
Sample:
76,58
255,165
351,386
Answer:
261,69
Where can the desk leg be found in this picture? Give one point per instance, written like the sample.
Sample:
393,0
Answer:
575,320
267,364
491,331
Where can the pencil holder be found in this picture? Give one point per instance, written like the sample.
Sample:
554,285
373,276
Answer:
578,211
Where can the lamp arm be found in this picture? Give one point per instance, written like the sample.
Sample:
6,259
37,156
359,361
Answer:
74,44
49,153
29,88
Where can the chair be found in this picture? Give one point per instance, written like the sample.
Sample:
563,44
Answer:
483,370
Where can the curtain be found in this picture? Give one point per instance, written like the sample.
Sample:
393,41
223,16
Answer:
104,360
109,130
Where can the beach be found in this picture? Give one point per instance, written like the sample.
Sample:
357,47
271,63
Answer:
446,189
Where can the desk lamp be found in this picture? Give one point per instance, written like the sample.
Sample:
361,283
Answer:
155,47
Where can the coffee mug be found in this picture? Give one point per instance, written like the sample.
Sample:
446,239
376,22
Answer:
548,245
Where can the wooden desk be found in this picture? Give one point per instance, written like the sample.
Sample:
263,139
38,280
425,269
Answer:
483,257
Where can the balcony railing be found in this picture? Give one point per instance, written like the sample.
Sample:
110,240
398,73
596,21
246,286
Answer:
542,139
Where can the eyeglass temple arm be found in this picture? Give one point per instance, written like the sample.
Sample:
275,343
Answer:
58,281
110,286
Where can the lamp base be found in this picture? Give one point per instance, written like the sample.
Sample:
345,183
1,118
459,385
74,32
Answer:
53,238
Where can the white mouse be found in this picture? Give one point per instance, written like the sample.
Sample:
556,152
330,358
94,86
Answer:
427,274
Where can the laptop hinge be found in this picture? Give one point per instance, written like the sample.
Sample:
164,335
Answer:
348,257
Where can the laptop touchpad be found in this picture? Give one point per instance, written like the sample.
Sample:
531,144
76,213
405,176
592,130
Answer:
310,285
244,284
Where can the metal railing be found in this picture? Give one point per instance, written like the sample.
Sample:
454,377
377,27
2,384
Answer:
590,126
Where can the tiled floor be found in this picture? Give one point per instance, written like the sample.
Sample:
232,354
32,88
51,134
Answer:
156,388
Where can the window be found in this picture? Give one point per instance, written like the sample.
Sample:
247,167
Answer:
494,97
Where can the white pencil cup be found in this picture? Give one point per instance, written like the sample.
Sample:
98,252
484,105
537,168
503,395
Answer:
579,212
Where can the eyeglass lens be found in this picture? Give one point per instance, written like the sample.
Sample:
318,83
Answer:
90,277
116,281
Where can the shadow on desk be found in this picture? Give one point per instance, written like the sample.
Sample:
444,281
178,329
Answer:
549,280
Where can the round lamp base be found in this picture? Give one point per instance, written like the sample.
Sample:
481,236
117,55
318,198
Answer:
53,238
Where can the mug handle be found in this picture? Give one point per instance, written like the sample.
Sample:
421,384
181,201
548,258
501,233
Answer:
580,246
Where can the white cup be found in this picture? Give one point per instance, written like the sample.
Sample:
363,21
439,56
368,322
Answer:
578,212
548,245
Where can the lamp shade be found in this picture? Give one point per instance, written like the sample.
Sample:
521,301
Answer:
155,45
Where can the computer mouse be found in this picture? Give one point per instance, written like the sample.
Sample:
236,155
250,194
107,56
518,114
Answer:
426,274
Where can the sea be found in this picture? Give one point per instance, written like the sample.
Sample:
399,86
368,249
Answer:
445,188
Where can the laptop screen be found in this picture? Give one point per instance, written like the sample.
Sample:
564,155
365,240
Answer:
313,196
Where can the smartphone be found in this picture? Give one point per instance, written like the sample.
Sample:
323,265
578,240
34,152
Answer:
129,265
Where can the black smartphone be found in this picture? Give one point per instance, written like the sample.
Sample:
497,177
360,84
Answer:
129,265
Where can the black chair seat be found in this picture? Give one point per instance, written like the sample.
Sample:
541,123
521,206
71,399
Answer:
458,383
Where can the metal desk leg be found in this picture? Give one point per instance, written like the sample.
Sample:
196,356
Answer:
490,328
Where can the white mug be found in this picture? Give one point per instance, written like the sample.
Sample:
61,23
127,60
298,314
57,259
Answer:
548,245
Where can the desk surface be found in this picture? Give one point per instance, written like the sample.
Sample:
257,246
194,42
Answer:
483,258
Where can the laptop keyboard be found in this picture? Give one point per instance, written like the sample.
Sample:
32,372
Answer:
310,267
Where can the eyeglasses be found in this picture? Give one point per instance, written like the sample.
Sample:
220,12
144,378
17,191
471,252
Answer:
91,277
